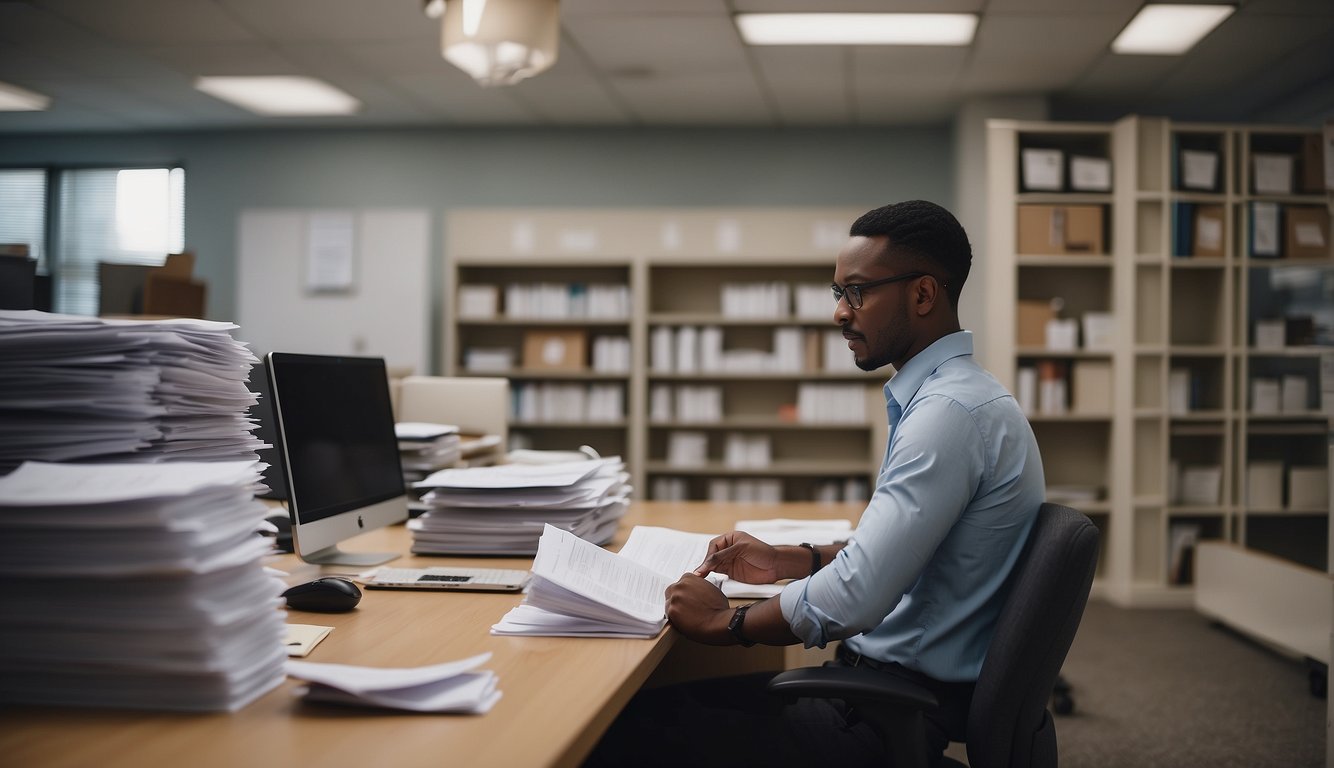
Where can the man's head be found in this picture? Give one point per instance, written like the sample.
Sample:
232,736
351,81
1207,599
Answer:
900,277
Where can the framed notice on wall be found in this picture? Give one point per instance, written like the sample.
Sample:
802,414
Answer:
330,252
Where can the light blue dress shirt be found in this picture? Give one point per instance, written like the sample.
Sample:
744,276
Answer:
921,580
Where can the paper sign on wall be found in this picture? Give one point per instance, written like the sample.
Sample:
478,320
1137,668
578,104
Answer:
330,252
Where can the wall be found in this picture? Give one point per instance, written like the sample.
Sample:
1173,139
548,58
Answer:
227,172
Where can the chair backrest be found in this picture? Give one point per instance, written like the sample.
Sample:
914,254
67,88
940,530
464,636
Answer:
477,405
1008,724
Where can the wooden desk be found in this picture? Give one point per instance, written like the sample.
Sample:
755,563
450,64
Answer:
560,694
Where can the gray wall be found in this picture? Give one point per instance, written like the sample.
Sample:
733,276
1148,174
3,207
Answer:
227,172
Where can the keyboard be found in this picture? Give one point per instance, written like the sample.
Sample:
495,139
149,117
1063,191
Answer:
469,579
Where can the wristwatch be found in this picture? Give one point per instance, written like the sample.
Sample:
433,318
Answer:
735,626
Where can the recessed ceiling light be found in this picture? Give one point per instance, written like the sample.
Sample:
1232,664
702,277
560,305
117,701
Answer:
857,28
16,99
1169,29
280,95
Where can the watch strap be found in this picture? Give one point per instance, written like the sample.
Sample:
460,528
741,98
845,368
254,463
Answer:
737,624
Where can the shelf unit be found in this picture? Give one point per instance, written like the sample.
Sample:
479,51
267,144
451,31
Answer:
675,265
1185,293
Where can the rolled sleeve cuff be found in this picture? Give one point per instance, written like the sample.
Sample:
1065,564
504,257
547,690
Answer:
805,620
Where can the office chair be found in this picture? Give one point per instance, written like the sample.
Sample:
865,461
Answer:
1008,721
477,405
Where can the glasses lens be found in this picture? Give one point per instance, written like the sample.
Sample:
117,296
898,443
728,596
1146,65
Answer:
854,296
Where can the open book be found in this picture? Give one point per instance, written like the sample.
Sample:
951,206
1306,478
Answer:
581,590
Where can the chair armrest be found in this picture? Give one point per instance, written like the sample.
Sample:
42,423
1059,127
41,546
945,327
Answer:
856,684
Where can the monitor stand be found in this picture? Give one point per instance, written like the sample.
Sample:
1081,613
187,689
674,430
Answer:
335,556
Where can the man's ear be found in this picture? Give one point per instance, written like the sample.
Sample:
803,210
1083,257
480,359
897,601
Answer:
926,295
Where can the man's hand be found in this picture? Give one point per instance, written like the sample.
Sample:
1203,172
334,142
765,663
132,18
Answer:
699,610
742,557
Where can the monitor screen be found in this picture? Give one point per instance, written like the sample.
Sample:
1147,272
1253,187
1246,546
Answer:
335,427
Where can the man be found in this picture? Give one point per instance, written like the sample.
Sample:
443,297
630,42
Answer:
917,589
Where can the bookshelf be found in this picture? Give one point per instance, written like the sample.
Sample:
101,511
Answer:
1199,316
729,386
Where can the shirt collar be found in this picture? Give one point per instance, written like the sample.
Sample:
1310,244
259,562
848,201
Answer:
905,383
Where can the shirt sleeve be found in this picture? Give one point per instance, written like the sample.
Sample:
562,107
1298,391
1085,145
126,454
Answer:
935,465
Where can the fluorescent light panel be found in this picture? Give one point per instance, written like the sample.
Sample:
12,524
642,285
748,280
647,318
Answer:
280,95
857,28
1169,29
16,99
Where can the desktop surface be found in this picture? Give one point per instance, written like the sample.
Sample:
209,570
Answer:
560,694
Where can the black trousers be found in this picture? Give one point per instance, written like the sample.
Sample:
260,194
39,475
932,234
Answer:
732,722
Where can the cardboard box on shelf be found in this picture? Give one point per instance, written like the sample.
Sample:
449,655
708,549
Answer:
1264,485
1042,170
1093,386
563,350
1308,487
1031,318
1208,240
1099,330
1269,334
1295,394
1061,229
1306,232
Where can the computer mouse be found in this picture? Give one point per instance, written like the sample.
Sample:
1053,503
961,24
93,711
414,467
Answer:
329,594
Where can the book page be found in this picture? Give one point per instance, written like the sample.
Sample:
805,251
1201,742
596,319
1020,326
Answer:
611,580
666,551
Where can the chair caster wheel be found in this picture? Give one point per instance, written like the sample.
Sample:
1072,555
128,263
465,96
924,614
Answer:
1063,704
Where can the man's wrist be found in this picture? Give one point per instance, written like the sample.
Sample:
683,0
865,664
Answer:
736,626
796,562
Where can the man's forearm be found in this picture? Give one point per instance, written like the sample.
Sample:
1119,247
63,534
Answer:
766,624
797,563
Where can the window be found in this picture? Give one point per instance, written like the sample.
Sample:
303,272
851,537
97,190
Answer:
122,215
23,211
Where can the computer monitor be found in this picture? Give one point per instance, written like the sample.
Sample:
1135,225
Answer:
339,454
267,431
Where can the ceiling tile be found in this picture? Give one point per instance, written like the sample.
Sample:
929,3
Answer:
1240,46
661,44
334,20
860,6
1114,75
1124,8
224,59
153,21
906,109
907,67
803,104
455,98
1064,42
570,93
817,66
573,8
703,98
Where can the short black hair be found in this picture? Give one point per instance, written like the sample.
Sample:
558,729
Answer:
923,230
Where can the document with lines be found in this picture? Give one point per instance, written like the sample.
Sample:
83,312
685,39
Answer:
579,589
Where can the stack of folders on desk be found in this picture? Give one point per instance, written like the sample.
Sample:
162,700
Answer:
581,590
456,686
136,586
502,510
425,448
83,389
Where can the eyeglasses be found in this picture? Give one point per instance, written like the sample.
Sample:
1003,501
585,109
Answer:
853,291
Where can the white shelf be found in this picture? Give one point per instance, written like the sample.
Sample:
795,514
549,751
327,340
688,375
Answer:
875,376
545,322
774,469
1171,312
714,319
765,423
670,286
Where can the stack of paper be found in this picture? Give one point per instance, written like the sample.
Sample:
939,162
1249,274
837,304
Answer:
136,586
502,510
81,388
457,686
425,448
581,590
